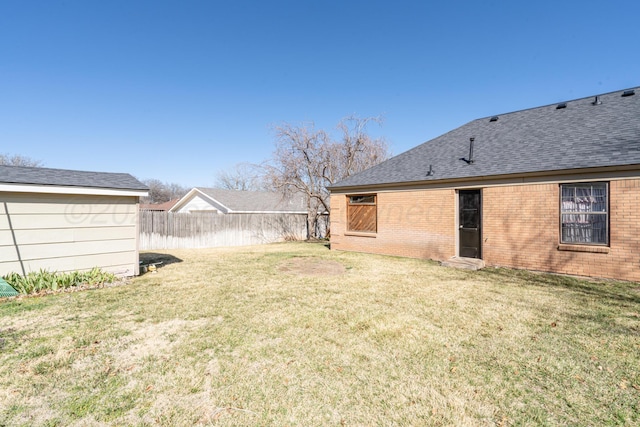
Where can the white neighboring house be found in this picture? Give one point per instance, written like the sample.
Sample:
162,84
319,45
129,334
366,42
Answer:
220,201
213,217
66,220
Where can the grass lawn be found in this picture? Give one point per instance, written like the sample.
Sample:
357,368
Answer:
296,334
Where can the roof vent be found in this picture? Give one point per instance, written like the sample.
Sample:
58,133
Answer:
629,92
561,106
493,119
596,101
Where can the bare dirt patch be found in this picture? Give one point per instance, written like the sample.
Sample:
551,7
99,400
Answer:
311,266
154,339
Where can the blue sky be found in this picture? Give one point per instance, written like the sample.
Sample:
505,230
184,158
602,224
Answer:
179,90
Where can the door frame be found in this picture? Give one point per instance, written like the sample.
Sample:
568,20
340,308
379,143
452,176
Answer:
457,222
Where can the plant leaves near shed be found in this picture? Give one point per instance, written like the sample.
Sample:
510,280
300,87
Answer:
6,290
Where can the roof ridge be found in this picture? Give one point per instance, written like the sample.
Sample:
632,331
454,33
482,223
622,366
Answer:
40,168
554,103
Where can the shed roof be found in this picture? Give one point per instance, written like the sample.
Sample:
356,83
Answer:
585,133
68,178
250,201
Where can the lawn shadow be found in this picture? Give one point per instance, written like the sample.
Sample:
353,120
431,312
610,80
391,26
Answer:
158,259
612,290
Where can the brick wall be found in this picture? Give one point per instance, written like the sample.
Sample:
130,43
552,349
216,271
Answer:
417,224
520,229
520,226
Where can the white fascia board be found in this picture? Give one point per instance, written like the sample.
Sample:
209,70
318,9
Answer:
182,201
59,189
216,204
191,194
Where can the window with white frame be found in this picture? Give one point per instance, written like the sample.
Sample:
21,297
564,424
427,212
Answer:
584,213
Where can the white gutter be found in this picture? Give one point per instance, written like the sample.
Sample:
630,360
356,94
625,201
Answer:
59,189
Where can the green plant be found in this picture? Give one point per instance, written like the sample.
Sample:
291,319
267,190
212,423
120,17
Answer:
43,280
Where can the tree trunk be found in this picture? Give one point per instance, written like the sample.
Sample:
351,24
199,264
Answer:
311,225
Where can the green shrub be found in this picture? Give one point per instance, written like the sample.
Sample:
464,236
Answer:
42,280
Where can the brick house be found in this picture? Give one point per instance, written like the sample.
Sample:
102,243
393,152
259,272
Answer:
554,188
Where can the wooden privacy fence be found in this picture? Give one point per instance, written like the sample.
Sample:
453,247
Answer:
168,230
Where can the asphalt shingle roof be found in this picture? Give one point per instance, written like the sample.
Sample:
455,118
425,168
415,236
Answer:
256,201
582,135
68,178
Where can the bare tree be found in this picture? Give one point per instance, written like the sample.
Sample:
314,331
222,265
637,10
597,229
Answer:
160,192
176,191
18,160
307,160
355,151
296,167
243,176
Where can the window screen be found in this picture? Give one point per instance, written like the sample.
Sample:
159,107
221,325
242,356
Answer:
585,213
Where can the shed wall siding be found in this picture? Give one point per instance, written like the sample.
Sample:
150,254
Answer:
67,233
520,229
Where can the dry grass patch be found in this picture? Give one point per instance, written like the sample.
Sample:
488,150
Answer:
295,334
312,266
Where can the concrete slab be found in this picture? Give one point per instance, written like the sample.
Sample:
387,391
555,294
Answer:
465,263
